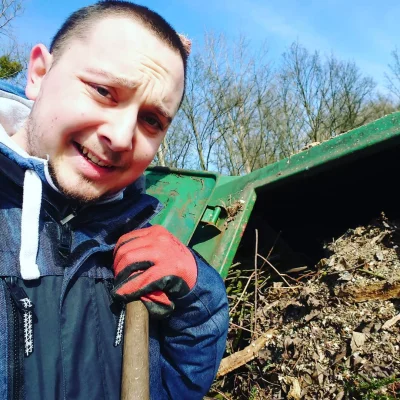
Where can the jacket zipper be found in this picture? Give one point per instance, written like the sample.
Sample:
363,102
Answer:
23,304
16,351
17,371
117,308
119,334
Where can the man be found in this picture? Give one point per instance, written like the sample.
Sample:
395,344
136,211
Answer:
71,186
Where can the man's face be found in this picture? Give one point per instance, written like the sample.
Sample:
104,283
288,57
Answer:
103,108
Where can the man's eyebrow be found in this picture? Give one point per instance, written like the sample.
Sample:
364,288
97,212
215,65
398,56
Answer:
116,80
161,110
130,84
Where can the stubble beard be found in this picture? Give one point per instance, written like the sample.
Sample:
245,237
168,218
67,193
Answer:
79,197
33,138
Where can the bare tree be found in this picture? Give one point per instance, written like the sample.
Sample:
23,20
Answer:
330,93
393,78
308,84
289,125
380,106
9,9
227,98
245,96
175,150
348,95
240,114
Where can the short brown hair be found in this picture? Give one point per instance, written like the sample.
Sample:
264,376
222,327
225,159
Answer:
77,25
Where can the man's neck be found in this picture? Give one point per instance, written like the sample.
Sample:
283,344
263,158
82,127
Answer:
20,138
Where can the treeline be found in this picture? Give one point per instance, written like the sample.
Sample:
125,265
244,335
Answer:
242,112
13,56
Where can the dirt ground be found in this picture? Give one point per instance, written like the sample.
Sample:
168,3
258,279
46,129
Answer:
328,332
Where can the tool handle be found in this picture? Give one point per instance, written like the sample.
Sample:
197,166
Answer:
135,367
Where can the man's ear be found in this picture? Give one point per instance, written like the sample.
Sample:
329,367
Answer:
39,65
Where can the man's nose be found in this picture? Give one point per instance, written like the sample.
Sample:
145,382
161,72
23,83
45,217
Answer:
119,130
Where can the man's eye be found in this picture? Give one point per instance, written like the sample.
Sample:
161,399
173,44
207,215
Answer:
154,122
103,91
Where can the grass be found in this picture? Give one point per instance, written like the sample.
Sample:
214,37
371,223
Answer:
374,389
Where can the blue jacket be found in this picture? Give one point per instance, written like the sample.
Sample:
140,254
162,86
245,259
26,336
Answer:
64,347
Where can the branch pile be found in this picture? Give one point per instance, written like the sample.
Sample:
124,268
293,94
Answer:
331,333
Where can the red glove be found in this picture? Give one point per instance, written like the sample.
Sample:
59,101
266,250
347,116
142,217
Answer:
153,265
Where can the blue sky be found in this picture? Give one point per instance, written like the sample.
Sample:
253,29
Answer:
363,31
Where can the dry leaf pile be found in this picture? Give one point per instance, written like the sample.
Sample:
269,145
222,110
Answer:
333,333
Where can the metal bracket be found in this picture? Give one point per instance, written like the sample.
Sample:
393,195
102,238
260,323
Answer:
211,217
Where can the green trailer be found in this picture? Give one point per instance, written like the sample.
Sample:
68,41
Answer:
304,200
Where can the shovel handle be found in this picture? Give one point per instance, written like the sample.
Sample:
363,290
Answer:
135,366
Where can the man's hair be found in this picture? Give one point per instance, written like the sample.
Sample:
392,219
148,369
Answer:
78,24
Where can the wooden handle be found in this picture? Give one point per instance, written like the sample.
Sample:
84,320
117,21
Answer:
135,367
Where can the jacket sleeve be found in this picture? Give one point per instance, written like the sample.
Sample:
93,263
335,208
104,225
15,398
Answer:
195,337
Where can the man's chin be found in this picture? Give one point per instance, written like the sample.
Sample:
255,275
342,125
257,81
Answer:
78,189
82,193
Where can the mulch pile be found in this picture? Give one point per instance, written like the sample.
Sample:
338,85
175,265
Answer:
332,332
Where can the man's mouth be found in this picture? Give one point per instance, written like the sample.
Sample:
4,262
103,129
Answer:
91,157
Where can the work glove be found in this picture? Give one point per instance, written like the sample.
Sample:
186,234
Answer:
153,265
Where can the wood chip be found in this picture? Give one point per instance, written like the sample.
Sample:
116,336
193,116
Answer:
242,357
379,238
374,291
297,269
295,388
357,341
388,324
340,395
321,376
312,315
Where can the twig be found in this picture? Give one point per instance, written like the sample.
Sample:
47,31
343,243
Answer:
287,283
285,287
273,246
255,283
241,296
219,392
372,274
271,384
298,359
306,275
290,277
271,250
241,327
264,283
346,270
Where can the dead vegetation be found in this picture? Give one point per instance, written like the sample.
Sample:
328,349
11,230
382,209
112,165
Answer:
331,332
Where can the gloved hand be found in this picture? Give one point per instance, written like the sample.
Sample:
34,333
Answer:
153,265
